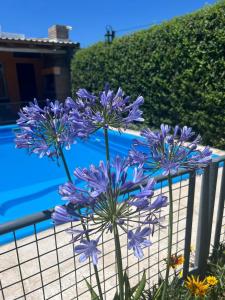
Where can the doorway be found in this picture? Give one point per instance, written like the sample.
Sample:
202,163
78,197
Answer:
26,81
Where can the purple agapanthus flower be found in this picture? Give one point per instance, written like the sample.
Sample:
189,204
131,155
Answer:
161,201
98,179
63,214
77,233
89,112
76,196
169,151
88,249
138,240
44,130
113,194
97,182
145,204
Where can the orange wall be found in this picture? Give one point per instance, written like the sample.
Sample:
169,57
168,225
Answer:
9,65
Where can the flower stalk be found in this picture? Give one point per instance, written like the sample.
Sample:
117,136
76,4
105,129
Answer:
65,163
170,237
119,262
118,255
82,222
106,135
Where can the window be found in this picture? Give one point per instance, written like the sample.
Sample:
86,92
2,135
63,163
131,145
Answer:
3,93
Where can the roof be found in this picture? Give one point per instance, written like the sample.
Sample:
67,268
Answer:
39,41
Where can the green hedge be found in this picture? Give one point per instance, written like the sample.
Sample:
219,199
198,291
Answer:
178,66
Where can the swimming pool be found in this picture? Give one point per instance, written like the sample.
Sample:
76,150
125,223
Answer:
29,184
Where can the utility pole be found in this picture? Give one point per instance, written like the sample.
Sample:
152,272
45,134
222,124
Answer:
110,34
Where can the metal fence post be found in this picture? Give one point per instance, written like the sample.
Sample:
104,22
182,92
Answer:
189,219
219,219
206,208
212,191
3,297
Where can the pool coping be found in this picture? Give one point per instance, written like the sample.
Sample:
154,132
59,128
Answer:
132,132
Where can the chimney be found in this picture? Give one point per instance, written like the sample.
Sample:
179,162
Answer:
59,32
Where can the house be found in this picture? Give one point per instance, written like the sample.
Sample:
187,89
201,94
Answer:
34,68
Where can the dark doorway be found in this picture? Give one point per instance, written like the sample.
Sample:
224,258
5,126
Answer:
49,86
27,82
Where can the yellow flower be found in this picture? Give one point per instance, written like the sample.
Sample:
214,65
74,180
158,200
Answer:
176,260
180,274
196,287
211,280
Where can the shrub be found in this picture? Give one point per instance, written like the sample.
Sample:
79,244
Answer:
178,66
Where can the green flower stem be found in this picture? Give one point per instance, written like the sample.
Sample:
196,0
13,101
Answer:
82,222
107,144
119,261
170,237
111,200
65,163
115,229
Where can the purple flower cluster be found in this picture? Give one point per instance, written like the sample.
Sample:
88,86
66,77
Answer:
100,199
113,195
90,113
169,151
44,130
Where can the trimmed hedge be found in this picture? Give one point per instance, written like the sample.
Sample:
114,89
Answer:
178,66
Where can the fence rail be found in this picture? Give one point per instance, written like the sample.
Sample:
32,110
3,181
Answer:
43,265
9,110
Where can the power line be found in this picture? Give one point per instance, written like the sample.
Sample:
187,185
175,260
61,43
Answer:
110,33
135,27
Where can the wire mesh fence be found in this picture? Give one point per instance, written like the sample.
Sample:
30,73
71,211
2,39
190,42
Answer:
43,265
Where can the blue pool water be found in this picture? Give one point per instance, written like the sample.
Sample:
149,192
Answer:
29,184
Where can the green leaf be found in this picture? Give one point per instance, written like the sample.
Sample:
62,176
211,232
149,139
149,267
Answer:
140,288
158,292
116,297
127,286
94,296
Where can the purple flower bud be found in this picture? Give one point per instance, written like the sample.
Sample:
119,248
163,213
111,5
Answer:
61,215
161,201
82,93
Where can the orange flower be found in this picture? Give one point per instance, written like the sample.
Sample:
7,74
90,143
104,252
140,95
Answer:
176,260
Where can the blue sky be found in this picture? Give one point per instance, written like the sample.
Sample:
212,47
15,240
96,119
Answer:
89,17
